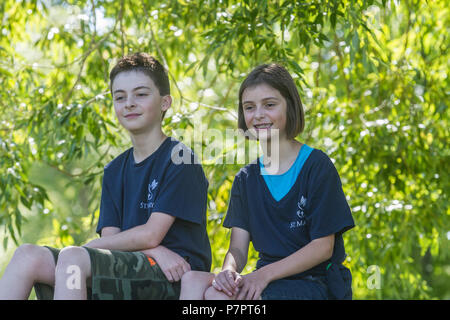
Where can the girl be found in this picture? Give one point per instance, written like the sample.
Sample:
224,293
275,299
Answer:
294,210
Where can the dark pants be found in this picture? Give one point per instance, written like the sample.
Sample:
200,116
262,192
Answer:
308,288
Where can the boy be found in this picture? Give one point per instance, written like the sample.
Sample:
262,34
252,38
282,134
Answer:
152,214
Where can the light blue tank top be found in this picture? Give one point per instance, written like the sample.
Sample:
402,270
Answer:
280,184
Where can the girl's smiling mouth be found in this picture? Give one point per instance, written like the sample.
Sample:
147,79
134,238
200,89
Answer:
263,126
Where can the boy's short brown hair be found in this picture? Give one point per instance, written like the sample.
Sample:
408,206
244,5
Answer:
146,64
278,78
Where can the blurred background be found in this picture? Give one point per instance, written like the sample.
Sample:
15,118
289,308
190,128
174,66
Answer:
373,79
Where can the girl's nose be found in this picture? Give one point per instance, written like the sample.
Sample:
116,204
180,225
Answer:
259,113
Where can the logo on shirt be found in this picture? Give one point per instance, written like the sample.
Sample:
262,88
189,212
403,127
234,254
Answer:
151,188
300,214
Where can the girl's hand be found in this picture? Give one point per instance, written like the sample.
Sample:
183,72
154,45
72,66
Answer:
172,264
228,282
252,286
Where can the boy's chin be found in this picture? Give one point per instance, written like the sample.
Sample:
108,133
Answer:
137,130
138,127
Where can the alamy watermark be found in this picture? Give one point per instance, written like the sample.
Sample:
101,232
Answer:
230,146
374,280
73,282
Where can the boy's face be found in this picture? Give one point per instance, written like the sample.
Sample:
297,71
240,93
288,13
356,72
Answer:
137,102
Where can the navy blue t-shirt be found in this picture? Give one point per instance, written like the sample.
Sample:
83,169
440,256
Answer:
314,207
132,191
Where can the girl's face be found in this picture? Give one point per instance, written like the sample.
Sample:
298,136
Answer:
137,102
265,111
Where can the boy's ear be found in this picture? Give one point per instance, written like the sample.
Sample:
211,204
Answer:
166,103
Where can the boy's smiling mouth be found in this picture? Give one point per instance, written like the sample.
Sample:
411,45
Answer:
132,115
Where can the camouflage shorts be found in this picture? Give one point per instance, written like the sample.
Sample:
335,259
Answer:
118,275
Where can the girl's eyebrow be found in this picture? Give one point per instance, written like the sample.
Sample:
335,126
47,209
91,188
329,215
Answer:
270,98
267,98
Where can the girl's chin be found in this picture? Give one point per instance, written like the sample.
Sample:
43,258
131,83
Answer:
263,134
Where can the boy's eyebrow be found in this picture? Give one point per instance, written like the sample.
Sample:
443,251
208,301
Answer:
118,90
134,89
141,87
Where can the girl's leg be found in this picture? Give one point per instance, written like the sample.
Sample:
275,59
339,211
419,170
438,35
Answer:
73,271
29,264
194,285
302,289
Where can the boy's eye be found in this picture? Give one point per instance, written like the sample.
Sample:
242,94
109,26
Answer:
119,98
142,94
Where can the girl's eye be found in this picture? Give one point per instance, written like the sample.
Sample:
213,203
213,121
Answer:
142,94
119,98
270,104
247,108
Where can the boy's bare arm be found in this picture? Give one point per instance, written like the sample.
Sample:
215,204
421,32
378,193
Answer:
109,231
172,264
141,237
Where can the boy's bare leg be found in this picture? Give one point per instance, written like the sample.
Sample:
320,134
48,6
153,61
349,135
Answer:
73,271
212,294
29,264
194,285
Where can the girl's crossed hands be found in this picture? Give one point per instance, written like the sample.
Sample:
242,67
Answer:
228,282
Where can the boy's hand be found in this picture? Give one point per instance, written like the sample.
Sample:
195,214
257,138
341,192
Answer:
252,286
172,264
228,282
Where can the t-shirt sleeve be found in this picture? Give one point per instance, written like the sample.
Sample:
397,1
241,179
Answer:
329,212
109,209
237,213
184,193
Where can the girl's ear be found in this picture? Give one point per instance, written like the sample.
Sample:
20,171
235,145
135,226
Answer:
166,103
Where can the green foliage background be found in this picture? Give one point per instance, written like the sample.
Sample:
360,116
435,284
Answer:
373,77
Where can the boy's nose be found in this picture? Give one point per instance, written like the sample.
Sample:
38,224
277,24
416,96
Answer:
130,103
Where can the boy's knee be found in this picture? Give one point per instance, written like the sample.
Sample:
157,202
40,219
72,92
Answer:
197,278
212,294
30,256
189,278
26,250
69,256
